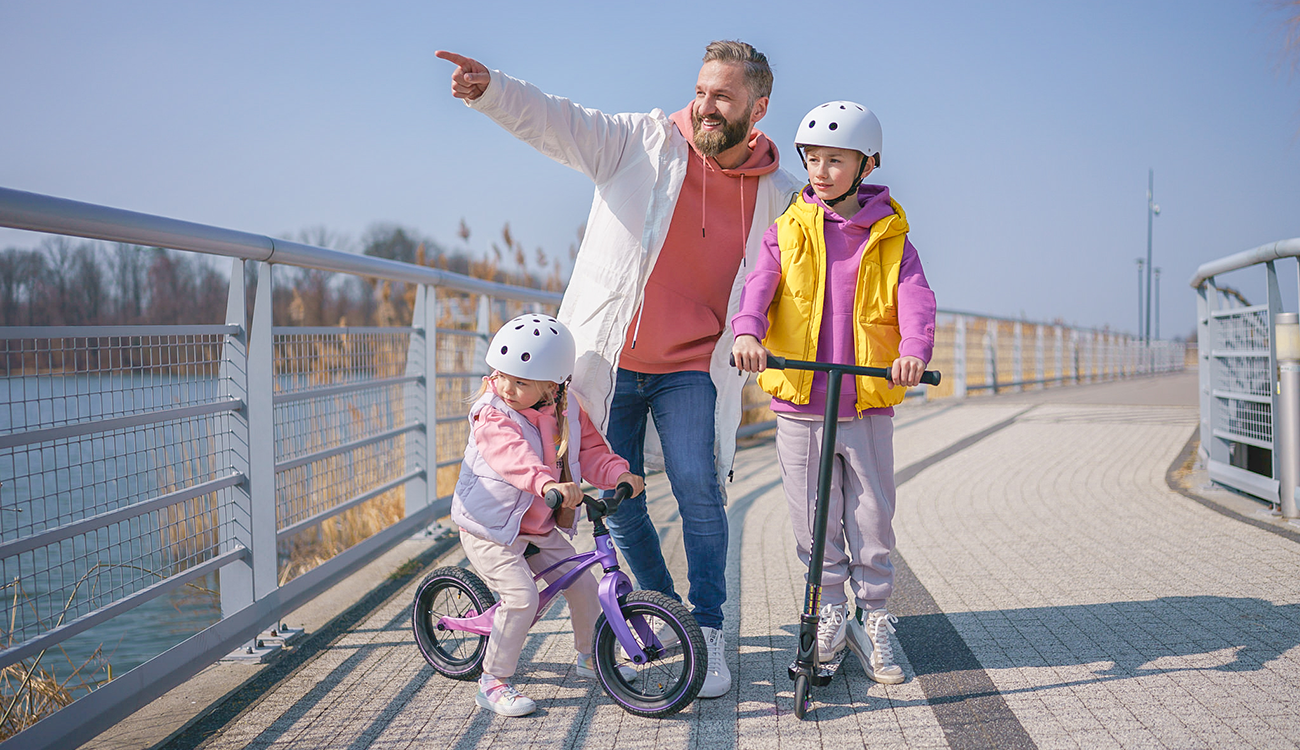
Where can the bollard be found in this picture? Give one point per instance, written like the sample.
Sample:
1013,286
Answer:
1287,423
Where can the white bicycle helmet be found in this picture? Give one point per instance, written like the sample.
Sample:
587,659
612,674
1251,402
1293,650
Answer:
843,125
534,347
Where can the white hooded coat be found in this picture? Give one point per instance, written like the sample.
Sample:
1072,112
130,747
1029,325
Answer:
638,162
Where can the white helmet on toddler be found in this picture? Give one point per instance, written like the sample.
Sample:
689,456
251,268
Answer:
841,124
533,347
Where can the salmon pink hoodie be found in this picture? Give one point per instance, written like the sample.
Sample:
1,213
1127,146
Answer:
684,308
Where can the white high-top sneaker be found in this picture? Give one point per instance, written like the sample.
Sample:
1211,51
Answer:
718,681
870,641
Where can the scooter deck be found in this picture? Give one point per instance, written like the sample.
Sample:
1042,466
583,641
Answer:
826,671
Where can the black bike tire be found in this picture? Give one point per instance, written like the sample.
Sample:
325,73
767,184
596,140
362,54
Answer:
695,657
424,622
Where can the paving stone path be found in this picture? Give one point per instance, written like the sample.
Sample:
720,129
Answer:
1053,591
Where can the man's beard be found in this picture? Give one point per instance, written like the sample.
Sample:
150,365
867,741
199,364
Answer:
713,142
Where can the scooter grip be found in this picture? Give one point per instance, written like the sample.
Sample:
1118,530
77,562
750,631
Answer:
554,499
931,377
773,361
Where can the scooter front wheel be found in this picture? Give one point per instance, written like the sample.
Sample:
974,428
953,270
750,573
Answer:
802,701
672,676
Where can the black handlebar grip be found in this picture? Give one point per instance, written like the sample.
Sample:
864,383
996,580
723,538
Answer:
554,499
931,377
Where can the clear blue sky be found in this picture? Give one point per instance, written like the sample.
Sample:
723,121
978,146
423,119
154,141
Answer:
1017,134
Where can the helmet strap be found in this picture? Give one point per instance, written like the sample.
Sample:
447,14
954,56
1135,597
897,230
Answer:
857,182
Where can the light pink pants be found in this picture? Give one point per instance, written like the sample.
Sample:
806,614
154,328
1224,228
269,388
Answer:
859,527
507,572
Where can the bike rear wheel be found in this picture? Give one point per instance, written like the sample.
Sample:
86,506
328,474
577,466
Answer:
450,592
672,677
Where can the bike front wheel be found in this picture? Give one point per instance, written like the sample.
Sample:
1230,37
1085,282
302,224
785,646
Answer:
450,592
672,676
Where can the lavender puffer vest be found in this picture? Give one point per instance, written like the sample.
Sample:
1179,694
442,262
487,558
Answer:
484,503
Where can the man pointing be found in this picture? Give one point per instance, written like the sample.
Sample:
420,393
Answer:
679,211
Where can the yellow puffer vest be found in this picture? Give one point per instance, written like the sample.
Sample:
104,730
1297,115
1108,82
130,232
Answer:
795,315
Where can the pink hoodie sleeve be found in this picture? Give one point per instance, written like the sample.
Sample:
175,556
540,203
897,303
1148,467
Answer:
916,307
600,465
502,445
759,290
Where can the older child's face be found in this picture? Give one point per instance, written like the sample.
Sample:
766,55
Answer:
519,393
833,170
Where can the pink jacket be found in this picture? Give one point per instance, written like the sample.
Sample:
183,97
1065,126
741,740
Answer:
498,494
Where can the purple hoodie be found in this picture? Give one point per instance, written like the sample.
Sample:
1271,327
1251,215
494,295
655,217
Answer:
845,240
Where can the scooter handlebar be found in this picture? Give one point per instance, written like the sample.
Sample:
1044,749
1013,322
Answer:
929,377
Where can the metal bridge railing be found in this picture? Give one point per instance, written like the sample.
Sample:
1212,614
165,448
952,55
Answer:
135,460
1242,363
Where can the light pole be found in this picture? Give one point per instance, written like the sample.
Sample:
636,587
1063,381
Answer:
1139,264
1153,211
1157,273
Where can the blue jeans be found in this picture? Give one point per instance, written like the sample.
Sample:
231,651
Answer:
681,404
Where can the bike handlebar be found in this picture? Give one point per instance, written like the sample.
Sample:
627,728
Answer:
929,377
603,507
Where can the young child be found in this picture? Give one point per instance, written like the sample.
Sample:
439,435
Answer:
526,438
838,281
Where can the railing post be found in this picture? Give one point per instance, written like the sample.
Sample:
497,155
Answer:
959,357
1059,355
1018,357
991,354
1040,367
1287,329
420,402
250,516
261,425
235,505
483,325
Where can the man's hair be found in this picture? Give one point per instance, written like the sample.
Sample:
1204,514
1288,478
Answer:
758,74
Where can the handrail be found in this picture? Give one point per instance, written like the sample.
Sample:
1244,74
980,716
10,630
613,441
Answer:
1262,254
43,213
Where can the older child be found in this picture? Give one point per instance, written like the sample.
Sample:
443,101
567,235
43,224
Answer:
527,438
839,282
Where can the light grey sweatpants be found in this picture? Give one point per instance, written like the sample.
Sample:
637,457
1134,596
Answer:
860,524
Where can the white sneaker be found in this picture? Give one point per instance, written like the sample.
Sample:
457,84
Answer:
871,644
718,681
585,668
503,699
832,626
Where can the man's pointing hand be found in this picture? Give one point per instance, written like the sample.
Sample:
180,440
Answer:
470,79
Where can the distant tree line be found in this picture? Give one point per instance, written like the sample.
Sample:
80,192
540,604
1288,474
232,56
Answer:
84,282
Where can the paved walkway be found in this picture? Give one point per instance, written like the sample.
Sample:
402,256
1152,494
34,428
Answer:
1054,591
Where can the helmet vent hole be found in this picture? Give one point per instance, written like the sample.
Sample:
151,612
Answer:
842,106
537,332
504,349
557,333
834,126
812,123
525,357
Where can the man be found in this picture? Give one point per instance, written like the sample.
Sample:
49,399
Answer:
679,212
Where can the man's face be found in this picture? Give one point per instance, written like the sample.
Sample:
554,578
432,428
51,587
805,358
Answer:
722,112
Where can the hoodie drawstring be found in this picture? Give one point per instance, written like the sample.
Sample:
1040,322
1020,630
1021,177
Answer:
704,192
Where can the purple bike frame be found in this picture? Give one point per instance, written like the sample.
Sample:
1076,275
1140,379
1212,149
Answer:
613,585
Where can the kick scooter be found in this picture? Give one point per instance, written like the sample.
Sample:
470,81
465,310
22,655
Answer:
453,612
805,670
